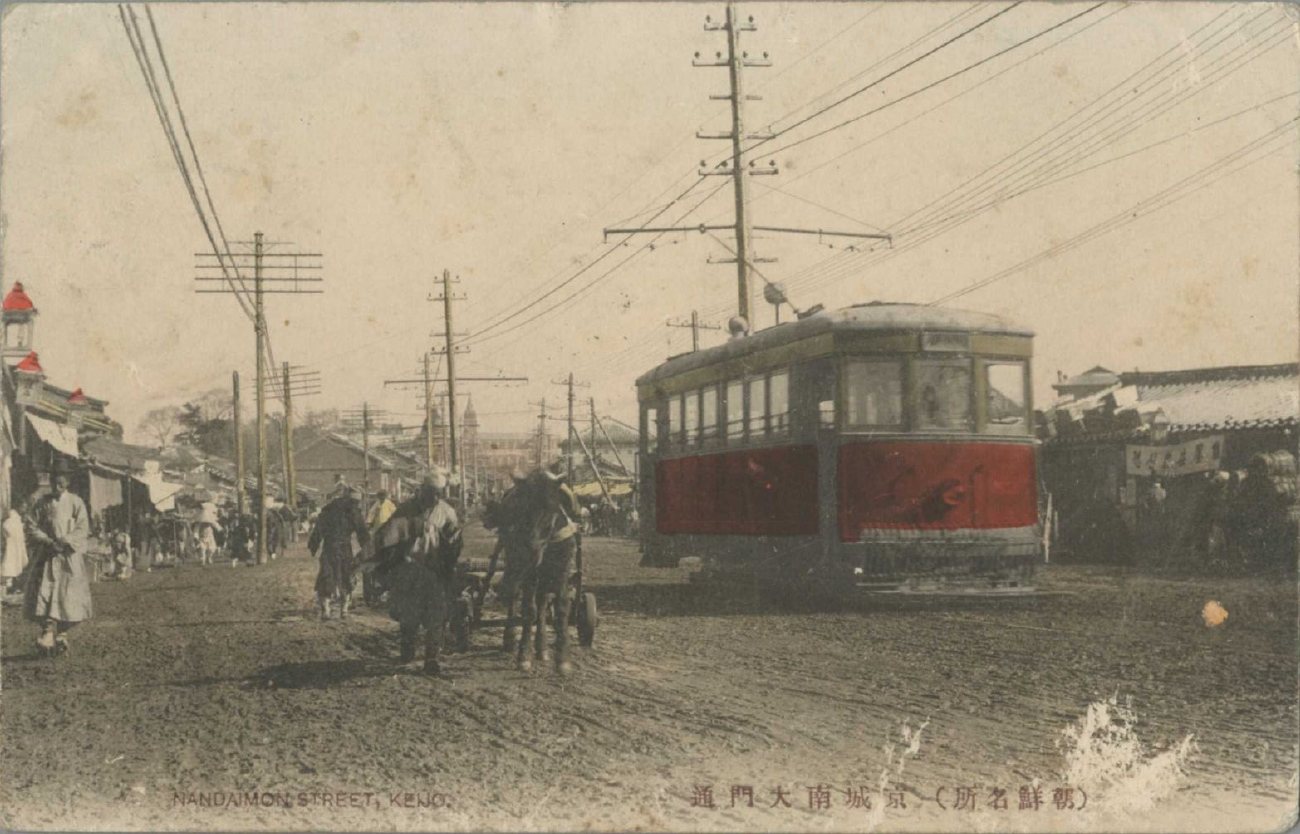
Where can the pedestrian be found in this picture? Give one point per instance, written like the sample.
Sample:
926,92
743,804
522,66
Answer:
339,521
14,561
120,541
423,581
380,512
58,587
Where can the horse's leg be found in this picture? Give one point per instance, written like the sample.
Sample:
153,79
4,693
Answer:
408,632
508,642
563,603
528,615
435,627
544,602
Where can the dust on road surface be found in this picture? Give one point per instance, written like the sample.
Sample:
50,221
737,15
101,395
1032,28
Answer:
195,687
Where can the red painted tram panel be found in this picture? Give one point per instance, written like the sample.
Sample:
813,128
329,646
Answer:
936,486
754,492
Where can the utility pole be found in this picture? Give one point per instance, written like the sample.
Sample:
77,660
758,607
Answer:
735,61
365,453
290,494
260,326
282,282
428,411
541,435
568,457
239,450
696,326
362,419
295,382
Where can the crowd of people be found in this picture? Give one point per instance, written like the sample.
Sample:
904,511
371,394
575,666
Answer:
405,554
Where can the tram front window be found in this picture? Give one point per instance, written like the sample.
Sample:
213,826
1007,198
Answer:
943,395
1004,392
874,393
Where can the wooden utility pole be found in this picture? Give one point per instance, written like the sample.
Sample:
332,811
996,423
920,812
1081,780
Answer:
735,62
696,326
283,272
289,487
239,449
451,377
541,435
365,454
260,326
568,457
428,411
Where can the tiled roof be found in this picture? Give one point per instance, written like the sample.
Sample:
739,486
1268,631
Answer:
115,453
1200,399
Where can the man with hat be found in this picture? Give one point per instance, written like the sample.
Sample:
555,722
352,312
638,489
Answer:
423,581
339,521
58,590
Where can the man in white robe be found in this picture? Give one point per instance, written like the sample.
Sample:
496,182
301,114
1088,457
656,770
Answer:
58,587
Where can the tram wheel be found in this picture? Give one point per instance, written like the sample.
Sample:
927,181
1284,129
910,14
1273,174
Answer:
588,618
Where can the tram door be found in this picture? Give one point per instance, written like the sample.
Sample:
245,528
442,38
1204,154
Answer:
818,405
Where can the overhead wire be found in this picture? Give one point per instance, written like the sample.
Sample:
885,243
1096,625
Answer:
1075,134
1156,202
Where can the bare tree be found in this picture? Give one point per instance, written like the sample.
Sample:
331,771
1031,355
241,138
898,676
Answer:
161,424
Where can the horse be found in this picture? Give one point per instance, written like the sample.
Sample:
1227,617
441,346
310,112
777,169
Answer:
509,517
550,512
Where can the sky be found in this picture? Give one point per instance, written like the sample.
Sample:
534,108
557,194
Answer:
498,140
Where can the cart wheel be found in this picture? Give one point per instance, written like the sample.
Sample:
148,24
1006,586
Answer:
461,622
588,619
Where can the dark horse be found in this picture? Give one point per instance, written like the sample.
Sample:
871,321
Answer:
549,512
509,518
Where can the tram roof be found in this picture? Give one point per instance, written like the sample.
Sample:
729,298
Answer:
876,316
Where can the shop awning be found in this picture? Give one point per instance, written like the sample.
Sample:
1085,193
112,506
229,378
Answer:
62,438
161,494
593,489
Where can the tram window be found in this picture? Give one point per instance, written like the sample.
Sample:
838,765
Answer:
757,407
778,396
691,418
651,430
1004,398
709,413
943,395
674,421
874,390
735,410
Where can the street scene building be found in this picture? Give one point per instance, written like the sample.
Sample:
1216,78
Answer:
849,416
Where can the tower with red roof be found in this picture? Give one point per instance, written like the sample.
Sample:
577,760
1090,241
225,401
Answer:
18,320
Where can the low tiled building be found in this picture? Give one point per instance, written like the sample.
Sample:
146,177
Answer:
1146,466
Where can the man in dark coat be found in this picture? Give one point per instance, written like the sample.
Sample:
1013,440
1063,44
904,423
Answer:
422,568
339,521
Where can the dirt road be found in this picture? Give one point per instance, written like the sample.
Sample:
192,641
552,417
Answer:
209,698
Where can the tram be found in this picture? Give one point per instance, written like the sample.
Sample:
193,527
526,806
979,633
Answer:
876,448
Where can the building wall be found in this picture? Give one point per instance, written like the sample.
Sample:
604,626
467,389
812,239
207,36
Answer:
317,464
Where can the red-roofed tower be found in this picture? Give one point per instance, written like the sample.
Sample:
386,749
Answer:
19,324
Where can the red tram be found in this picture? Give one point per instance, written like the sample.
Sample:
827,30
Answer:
881,447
